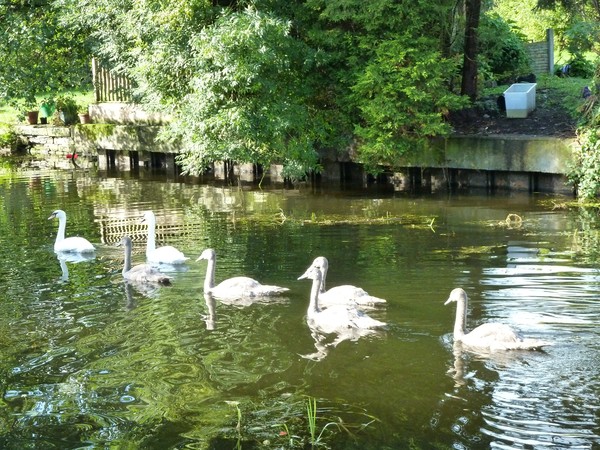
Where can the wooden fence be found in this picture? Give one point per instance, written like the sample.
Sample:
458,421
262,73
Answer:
109,87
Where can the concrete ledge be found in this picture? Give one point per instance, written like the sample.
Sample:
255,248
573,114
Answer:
43,130
124,113
498,153
126,138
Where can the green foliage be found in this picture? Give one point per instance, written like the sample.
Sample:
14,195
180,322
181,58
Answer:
276,81
585,173
579,67
524,15
586,170
248,99
502,49
66,109
402,97
8,137
38,53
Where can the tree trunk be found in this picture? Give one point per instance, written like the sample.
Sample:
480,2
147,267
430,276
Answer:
469,75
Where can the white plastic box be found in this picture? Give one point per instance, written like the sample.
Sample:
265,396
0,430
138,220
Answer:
520,99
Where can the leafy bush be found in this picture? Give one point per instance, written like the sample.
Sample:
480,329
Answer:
402,97
8,137
585,174
502,49
586,171
66,110
579,67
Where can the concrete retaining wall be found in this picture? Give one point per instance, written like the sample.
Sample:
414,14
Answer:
492,162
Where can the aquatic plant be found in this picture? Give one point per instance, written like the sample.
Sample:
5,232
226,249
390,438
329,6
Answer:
311,414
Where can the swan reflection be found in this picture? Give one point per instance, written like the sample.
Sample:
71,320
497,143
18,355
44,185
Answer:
64,257
211,307
129,301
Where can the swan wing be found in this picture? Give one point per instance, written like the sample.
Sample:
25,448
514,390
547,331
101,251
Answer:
166,255
238,287
74,244
144,273
498,336
348,294
341,318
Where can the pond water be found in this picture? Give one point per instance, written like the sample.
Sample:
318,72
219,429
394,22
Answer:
89,362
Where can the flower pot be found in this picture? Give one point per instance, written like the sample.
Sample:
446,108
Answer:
46,110
85,118
32,117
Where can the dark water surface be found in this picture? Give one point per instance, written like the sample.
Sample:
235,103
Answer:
87,362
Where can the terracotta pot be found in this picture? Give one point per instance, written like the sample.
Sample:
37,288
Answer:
85,118
32,117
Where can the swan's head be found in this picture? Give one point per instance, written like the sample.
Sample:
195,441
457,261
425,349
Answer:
125,241
312,273
456,295
321,262
148,217
207,254
58,214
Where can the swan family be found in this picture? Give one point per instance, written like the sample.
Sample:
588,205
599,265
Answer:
338,311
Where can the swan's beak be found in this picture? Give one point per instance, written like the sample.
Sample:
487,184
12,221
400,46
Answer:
305,274
448,301
52,216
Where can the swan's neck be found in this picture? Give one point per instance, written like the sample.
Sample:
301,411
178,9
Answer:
461,318
62,225
127,264
313,306
151,243
209,280
323,278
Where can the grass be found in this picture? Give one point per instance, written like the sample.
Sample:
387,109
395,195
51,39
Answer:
561,93
10,115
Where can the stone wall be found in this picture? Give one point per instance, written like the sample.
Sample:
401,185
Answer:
54,147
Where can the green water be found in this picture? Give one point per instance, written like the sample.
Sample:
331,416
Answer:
88,362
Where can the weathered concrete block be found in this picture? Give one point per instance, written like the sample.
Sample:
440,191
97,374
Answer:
276,173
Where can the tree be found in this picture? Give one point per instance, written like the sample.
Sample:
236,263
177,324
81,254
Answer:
39,54
402,97
248,100
275,81
390,71
469,74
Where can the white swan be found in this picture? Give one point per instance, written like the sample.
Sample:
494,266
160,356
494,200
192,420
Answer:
340,318
345,294
160,255
140,273
489,336
234,288
73,244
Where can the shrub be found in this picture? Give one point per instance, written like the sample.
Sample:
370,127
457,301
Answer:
8,137
502,49
578,67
